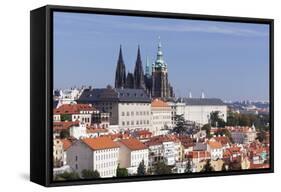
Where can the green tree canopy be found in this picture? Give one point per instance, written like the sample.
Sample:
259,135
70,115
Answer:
207,167
90,174
215,120
161,168
121,172
188,168
180,127
207,128
141,169
67,176
65,117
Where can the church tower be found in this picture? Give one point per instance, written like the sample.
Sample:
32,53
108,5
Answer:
138,73
120,74
160,85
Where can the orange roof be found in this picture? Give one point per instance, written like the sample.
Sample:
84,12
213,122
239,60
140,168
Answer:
133,144
100,143
158,140
96,130
199,154
214,144
73,108
64,125
143,133
222,139
159,103
66,144
117,136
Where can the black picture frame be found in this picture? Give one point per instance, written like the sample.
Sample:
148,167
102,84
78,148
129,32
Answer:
41,86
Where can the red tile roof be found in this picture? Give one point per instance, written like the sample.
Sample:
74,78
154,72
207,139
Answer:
159,103
199,154
222,139
73,108
157,140
214,144
96,130
64,125
133,144
100,143
143,134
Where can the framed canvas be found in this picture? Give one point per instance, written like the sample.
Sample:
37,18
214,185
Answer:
125,95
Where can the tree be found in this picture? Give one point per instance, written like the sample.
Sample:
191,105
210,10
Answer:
141,169
235,165
261,136
188,168
65,117
207,128
121,172
232,119
207,167
90,174
180,127
64,134
67,176
215,120
161,168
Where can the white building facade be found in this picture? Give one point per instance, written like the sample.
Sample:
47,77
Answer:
161,116
99,154
199,109
132,153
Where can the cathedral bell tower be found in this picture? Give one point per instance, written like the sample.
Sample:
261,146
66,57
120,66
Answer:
160,84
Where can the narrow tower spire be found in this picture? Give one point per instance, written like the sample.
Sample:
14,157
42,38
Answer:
138,72
120,74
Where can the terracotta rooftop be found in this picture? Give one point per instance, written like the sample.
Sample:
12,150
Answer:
159,103
100,143
142,133
157,140
73,108
222,139
133,144
64,125
215,144
199,154
96,130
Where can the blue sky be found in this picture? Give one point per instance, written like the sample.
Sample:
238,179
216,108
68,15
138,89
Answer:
226,60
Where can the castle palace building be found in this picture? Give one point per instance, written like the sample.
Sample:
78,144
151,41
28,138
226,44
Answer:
154,81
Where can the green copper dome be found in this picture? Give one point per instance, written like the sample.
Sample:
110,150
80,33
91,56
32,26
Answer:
160,63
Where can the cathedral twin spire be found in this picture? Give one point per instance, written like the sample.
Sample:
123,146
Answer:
154,81
135,80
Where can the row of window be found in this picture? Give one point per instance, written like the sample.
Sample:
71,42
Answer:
162,117
141,122
83,119
132,113
106,156
105,165
106,150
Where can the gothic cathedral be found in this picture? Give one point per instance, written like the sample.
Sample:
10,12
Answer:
154,81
